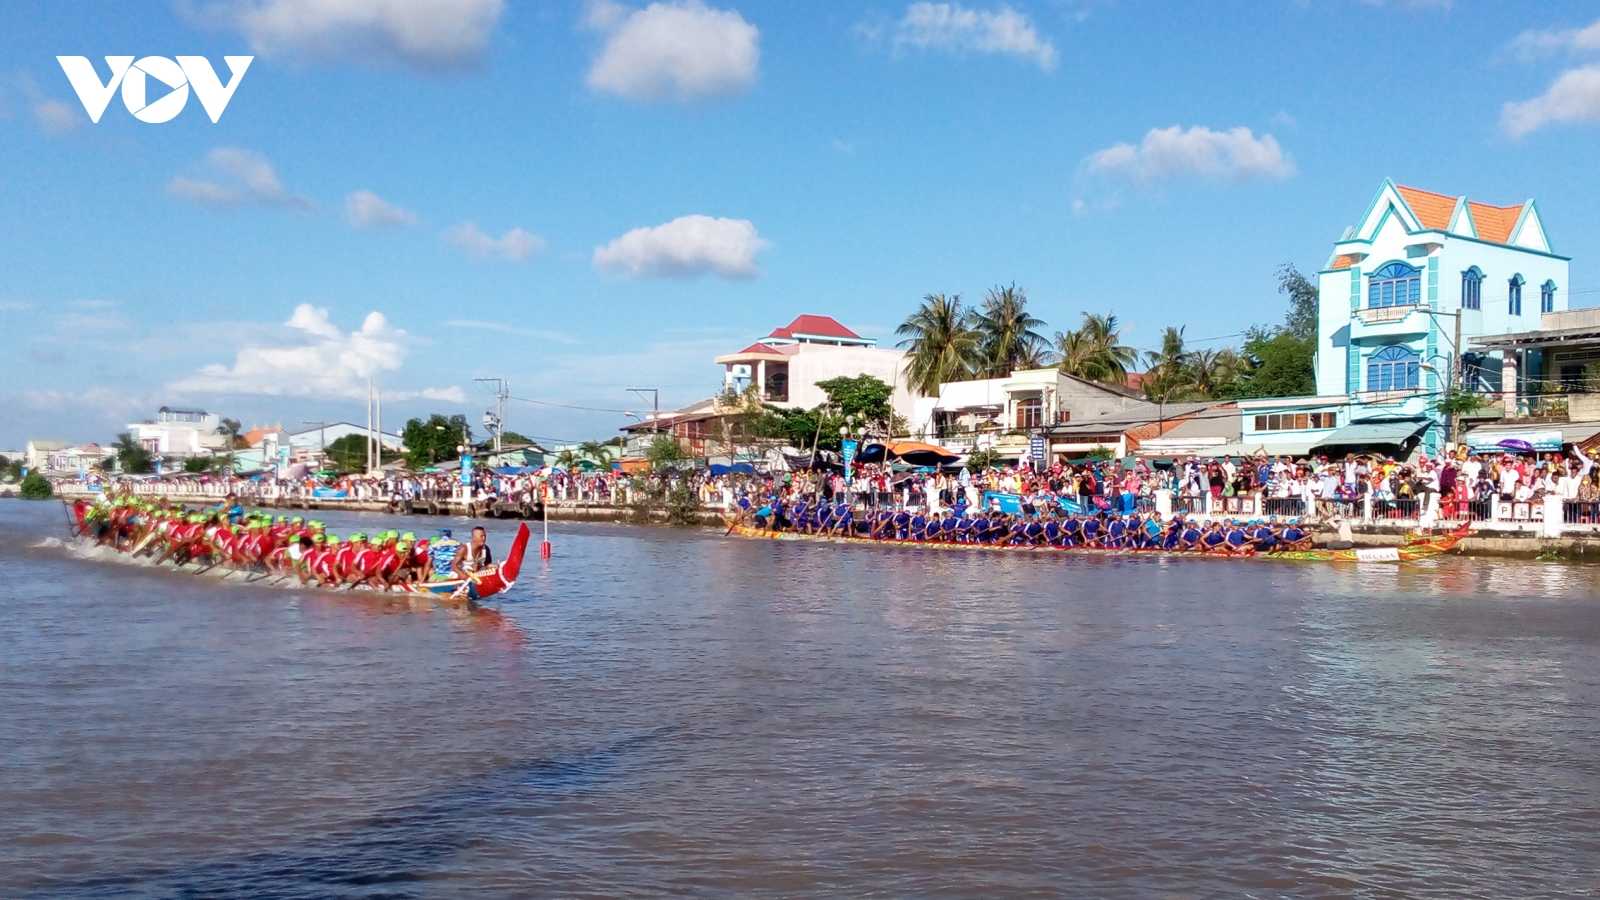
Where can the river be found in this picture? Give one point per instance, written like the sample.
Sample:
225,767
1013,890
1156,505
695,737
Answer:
660,712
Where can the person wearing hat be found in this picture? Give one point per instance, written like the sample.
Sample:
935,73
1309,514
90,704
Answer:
442,551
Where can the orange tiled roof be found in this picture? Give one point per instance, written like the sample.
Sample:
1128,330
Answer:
1494,222
1343,262
1433,210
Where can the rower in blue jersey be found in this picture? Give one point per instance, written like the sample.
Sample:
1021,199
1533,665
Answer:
902,523
1052,532
919,527
978,532
1190,537
1214,538
1172,539
797,516
1017,534
1238,540
1294,537
1091,532
1115,533
841,520
1265,539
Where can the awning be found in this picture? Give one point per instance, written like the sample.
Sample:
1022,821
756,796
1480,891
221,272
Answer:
1249,449
1377,433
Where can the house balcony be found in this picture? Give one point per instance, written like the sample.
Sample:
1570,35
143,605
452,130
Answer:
1385,398
1388,321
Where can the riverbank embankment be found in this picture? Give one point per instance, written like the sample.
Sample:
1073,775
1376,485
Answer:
1501,539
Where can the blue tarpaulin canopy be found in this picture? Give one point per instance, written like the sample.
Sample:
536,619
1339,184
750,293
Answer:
742,468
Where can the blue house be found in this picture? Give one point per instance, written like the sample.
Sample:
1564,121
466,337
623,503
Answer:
1406,294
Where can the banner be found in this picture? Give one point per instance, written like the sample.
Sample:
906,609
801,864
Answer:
1514,441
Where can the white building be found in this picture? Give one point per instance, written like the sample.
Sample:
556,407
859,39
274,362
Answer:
788,364
181,432
974,413
36,458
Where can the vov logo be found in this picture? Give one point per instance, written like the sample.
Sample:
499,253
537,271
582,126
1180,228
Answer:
133,77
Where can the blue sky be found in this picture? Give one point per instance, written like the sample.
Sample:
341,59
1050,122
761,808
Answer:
585,197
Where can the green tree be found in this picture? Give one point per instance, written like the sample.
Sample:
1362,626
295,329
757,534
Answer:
231,428
1281,361
1168,377
665,449
36,487
863,396
132,455
197,464
349,453
942,345
512,438
1007,340
434,440
1095,351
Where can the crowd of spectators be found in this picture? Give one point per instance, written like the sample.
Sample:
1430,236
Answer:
1446,485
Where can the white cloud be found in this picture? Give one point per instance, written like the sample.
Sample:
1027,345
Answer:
515,245
678,51
364,209
14,306
1236,154
953,27
427,34
1574,97
313,358
56,117
1535,44
683,248
237,177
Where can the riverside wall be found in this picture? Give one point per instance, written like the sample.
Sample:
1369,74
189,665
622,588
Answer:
1525,540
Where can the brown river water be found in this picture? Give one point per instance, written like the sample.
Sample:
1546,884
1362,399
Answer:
670,713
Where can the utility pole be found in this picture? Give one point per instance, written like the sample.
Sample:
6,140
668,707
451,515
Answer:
655,418
502,390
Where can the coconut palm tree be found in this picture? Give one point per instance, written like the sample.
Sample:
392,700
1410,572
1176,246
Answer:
1213,370
1095,351
943,346
1168,377
1006,337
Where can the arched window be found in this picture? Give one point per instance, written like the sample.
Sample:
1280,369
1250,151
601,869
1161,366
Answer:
1396,284
1514,295
1547,297
1394,368
1472,289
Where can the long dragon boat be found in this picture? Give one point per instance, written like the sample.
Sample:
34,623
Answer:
485,583
1417,547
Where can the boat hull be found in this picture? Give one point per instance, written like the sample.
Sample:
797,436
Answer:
1410,552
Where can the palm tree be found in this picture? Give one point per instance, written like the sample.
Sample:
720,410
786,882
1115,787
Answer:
1168,377
1095,351
943,347
1213,370
568,459
1006,337
594,450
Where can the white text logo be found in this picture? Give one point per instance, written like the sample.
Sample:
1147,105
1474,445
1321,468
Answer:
133,77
